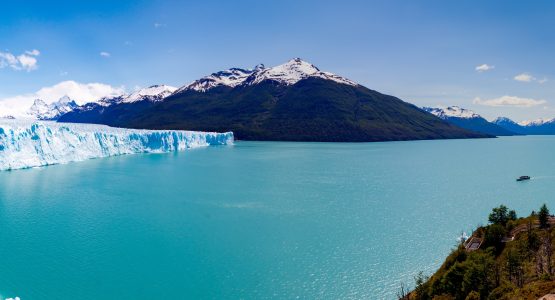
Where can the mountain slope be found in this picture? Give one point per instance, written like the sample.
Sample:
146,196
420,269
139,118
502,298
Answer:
468,119
291,102
510,125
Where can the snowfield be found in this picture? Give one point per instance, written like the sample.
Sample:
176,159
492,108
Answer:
26,144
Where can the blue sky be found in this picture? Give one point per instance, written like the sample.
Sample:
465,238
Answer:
425,52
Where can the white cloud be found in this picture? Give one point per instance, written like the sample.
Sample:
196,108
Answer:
33,52
509,101
524,77
484,68
158,25
26,61
105,54
80,92
543,80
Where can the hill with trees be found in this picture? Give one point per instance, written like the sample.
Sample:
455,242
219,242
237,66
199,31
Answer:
510,258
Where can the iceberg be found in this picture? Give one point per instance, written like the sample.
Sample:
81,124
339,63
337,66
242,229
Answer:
27,144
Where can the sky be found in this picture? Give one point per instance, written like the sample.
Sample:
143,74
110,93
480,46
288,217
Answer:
494,57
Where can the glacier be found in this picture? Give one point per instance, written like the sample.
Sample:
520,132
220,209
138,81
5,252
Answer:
30,143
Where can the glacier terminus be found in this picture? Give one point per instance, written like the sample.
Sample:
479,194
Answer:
31,143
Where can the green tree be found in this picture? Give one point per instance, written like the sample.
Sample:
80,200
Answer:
543,216
532,240
452,280
512,215
494,237
500,215
514,267
421,289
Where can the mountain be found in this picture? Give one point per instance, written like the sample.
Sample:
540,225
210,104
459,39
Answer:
468,119
294,101
42,111
535,127
509,125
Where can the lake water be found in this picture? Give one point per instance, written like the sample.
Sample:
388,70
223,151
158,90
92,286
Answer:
258,220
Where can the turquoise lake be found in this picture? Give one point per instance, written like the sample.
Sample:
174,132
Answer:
258,220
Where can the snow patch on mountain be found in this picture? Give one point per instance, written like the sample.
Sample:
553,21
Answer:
231,77
25,144
452,112
152,93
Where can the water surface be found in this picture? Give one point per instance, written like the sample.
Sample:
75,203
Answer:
258,219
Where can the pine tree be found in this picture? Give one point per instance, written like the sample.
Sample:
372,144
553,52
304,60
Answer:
543,216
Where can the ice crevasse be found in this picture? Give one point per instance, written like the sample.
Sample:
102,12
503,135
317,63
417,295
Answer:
26,144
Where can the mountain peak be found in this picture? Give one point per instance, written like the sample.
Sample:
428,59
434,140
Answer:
64,99
288,73
500,120
301,66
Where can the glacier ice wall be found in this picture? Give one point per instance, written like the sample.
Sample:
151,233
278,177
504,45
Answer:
25,144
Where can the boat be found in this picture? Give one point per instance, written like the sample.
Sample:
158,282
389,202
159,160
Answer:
522,178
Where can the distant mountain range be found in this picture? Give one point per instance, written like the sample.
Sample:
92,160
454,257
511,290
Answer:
535,127
470,120
501,126
294,101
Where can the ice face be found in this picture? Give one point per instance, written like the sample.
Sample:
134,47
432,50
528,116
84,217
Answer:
26,144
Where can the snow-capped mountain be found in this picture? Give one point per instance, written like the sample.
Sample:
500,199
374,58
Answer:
294,101
467,119
288,73
451,112
42,111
